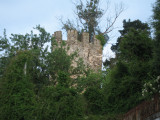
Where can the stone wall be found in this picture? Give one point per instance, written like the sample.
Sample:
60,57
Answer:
91,53
147,110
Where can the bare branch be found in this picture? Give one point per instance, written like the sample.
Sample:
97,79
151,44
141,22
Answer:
118,10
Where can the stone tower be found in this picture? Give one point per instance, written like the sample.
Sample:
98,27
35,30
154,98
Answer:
91,53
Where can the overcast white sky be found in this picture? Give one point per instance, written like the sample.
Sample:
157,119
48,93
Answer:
20,16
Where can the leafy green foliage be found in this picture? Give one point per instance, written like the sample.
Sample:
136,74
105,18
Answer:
68,25
96,101
136,45
92,87
122,90
130,68
102,39
156,26
130,27
63,79
57,61
90,80
4,42
127,25
36,44
4,48
17,99
61,103
37,82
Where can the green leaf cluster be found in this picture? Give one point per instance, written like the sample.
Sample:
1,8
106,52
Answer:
101,38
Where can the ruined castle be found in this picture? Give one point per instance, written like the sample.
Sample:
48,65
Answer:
91,53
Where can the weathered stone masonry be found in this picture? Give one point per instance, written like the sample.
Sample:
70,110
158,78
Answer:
91,53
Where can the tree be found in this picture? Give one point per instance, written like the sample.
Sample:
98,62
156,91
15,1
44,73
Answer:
33,42
131,69
136,25
156,26
136,45
4,49
17,99
88,18
127,25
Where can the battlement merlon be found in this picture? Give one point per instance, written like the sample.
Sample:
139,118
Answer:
85,37
72,36
58,36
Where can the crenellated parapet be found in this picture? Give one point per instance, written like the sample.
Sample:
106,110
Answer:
91,53
72,37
